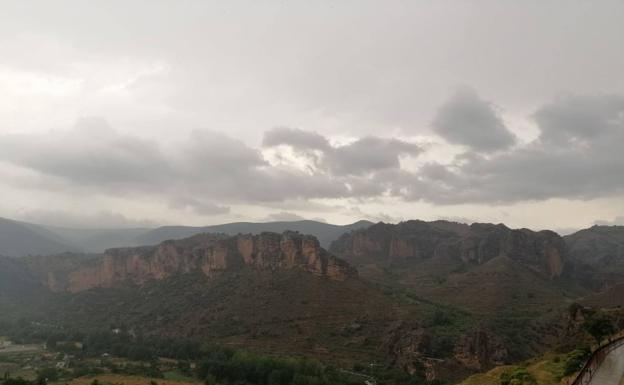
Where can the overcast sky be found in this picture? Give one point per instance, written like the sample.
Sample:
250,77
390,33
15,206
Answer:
133,113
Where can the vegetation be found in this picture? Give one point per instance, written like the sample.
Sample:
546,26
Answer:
599,326
519,376
96,353
549,369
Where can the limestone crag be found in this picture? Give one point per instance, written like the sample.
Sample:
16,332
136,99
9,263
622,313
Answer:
208,253
543,251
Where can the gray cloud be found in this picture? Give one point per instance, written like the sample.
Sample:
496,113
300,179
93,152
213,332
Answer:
91,153
300,139
580,119
589,166
201,208
363,156
206,166
286,216
369,154
468,120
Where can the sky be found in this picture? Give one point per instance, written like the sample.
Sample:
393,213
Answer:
144,113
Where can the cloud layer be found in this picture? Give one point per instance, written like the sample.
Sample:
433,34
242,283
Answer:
577,155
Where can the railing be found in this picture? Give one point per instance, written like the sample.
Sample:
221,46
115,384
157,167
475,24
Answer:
586,374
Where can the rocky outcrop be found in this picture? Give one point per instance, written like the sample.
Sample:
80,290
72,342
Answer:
543,252
409,346
405,344
479,350
207,253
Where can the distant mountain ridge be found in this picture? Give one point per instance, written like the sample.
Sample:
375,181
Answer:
601,248
325,232
19,239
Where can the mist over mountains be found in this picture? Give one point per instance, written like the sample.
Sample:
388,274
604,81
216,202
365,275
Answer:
21,238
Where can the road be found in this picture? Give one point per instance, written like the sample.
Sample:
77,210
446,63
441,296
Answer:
611,371
11,349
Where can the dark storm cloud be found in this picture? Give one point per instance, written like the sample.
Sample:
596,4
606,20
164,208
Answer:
363,156
468,120
578,155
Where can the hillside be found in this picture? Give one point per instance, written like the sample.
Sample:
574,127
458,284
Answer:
602,249
19,239
446,298
276,293
21,293
462,264
516,282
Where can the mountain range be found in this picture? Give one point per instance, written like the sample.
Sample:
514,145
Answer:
441,297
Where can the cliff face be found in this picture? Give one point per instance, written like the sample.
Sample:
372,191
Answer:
207,253
408,344
544,251
479,350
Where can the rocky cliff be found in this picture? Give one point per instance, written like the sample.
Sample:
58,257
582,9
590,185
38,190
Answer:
409,344
544,251
208,253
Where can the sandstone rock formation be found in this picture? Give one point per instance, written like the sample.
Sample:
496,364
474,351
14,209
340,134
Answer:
207,253
544,251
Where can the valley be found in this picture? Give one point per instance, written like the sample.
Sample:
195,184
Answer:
435,300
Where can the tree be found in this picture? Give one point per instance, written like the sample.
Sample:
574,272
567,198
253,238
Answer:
46,375
599,327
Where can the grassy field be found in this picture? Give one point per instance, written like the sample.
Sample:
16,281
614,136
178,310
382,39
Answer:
176,376
116,379
547,370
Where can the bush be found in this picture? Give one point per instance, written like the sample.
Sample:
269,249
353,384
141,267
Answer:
574,360
48,374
